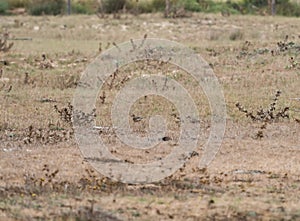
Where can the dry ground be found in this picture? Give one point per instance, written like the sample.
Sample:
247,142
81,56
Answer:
255,175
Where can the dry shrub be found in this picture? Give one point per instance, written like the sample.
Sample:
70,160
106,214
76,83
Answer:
266,116
4,45
236,35
50,7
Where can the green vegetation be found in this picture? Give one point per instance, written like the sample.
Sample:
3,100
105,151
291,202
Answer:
17,3
84,7
287,8
111,6
177,7
50,7
3,7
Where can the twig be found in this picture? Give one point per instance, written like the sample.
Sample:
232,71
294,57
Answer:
20,39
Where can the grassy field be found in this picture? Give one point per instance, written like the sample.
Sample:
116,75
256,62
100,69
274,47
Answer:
256,173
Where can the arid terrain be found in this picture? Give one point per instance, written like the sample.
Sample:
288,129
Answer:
254,176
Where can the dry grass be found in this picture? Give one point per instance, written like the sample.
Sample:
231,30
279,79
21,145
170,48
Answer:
43,174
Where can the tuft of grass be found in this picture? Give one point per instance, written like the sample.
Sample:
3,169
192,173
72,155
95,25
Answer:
4,45
236,35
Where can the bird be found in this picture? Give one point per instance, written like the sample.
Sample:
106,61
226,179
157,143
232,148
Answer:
136,118
166,138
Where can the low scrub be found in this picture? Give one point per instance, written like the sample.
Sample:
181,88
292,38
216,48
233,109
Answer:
113,6
3,7
84,7
287,8
18,3
54,7
50,7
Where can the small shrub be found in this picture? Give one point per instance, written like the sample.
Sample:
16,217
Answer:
146,7
233,6
217,7
282,7
266,116
113,6
158,5
17,3
253,6
236,35
83,7
4,45
287,8
51,7
190,5
141,6
79,9
256,3
3,7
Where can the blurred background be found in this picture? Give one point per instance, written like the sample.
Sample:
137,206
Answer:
170,8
